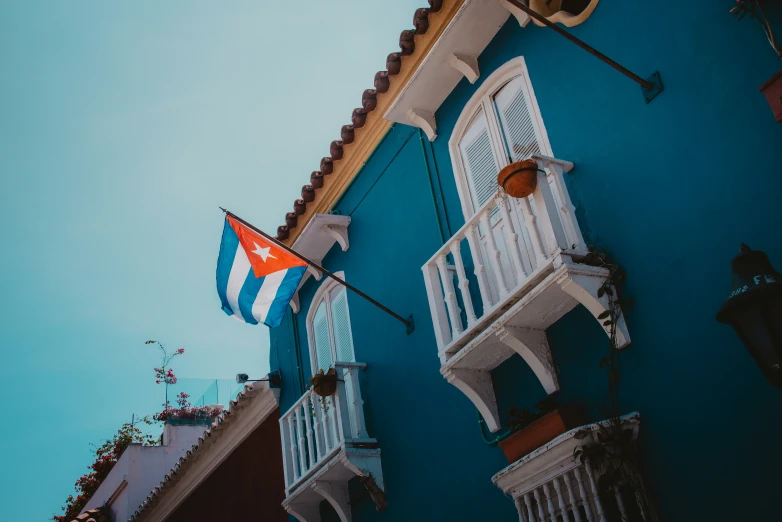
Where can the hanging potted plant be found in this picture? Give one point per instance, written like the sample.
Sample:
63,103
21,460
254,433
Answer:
325,383
773,87
519,179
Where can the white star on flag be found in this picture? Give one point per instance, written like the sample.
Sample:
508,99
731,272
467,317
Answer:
263,252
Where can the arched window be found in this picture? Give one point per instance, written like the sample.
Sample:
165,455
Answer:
328,326
500,124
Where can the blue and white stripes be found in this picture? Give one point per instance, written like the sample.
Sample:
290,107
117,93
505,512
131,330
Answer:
248,298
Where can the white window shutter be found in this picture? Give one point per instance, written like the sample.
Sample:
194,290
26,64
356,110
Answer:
340,320
320,331
479,163
519,126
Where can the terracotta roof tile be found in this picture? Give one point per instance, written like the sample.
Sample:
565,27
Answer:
359,116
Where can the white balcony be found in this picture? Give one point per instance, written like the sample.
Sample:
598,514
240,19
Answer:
325,444
524,255
550,484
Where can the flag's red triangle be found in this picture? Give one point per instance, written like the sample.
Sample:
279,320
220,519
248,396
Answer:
265,257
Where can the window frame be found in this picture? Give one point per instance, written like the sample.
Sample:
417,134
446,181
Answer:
323,294
483,99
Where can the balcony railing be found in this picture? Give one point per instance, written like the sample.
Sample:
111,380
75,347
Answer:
510,272
324,443
525,234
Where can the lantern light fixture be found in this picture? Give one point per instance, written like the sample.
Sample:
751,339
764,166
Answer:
754,310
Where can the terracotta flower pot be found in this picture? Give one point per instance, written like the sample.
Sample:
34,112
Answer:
773,91
543,430
519,179
325,384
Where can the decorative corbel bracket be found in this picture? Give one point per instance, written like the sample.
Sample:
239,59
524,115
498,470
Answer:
478,387
314,272
340,235
425,121
304,511
365,464
532,346
517,13
467,65
336,493
583,288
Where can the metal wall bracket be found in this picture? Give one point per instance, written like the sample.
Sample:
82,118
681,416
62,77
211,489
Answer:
657,87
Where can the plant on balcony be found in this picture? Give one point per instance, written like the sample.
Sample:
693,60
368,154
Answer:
754,10
529,430
106,456
325,383
184,413
615,456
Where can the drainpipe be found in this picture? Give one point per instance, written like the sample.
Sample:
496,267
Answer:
440,185
431,188
297,348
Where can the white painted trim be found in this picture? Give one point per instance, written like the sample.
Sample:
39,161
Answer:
225,438
521,17
321,294
424,120
467,65
482,99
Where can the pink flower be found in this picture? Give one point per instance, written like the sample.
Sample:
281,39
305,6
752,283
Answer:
180,351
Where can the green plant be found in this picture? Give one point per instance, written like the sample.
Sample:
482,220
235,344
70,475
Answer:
754,10
106,456
520,418
614,455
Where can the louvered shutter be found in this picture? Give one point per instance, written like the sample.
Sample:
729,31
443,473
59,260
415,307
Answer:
519,126
340,321
479,163
320,330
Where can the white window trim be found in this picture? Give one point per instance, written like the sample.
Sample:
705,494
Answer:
320,295
481,98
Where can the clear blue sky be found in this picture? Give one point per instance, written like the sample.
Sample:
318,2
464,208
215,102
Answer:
123,126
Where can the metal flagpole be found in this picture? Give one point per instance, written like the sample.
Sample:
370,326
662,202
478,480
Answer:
407,322
651,87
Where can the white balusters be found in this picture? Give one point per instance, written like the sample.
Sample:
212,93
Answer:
470,233
464,284
566,207
528,505
601,516
509,240
493,253
302,443
561,501
511,237
292,447
452,303
308,425
434,292
315,428
572,498
583,493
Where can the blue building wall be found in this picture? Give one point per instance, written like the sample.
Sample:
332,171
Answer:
670,189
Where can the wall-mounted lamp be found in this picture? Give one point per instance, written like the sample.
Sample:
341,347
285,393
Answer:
754,310
274,378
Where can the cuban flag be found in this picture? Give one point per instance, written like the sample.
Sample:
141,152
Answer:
256,279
